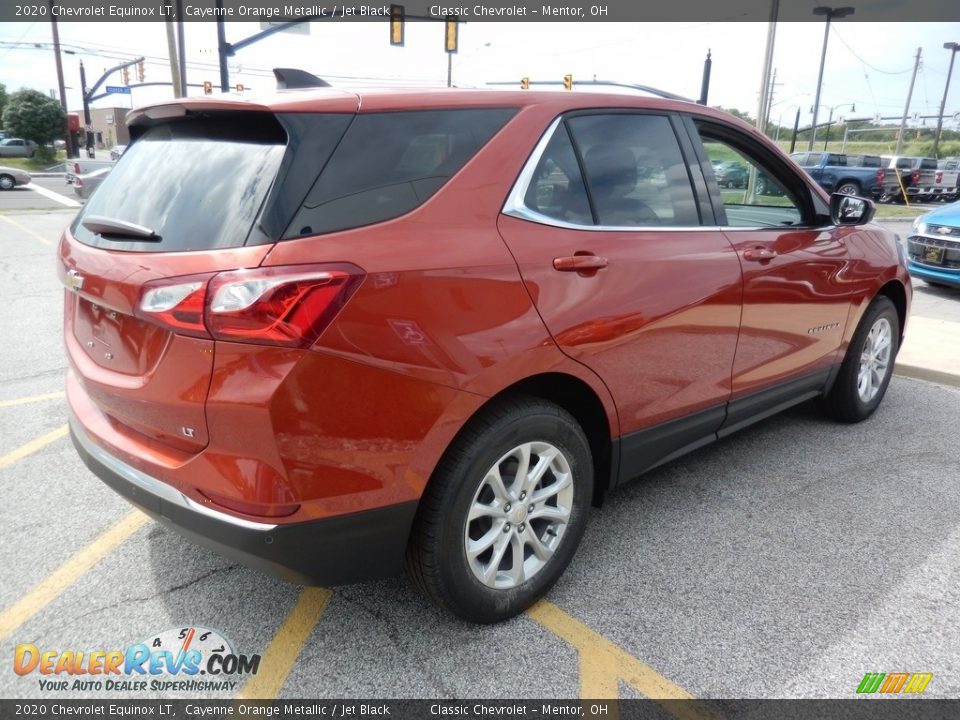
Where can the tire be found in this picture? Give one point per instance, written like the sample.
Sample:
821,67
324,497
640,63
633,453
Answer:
7,182
480,588
859,388
848,187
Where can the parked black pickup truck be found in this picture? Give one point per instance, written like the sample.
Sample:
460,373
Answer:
836,172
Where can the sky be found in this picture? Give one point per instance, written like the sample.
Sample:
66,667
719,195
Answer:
868,65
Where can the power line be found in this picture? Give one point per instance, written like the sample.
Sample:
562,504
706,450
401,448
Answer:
872,67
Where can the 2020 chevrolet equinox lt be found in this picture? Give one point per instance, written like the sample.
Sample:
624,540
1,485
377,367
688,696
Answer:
334,335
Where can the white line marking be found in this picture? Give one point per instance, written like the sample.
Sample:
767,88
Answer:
55,196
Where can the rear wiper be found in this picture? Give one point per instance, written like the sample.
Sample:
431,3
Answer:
107,227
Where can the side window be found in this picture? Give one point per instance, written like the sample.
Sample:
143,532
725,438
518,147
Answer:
389,163
635,172
757,198
557,189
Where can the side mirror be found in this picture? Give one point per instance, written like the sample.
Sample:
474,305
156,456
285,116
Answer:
851,210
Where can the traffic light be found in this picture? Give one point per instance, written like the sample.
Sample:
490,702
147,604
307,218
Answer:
568,82
126,76
207,87
525,83
396,25
140,72
450,34
239,87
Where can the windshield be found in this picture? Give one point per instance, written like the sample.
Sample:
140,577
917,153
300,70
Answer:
197,183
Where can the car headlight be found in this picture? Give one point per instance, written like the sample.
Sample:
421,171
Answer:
919,226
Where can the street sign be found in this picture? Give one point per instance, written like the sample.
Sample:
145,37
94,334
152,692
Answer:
123,89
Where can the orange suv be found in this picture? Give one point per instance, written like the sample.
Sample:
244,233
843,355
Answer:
332,334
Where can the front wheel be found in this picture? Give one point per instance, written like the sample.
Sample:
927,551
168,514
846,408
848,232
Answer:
504,512
868,365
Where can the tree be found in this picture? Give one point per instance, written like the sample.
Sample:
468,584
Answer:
3,101
32,115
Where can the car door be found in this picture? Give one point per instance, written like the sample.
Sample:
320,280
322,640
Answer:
605,225
796,296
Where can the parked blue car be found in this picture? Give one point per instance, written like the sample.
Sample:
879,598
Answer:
933,247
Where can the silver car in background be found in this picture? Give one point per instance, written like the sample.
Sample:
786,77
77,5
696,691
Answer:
11,177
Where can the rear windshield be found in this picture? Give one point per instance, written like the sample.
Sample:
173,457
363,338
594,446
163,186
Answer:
198,184
928,164
390,163
871,161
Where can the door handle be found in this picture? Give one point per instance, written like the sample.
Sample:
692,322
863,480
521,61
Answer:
579,263
759,254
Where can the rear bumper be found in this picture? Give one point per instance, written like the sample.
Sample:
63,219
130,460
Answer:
333,551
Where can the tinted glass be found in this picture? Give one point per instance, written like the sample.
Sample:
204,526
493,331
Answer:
834,159
390,163
557,189
928,164
198,184
635,172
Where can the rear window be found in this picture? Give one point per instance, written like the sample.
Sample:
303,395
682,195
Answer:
833,159
928,164
196,183
387,164
870,161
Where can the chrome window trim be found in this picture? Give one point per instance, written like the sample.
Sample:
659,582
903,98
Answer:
514,205
155,487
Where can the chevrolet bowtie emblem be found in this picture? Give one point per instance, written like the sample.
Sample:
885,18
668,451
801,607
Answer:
944,230
74,280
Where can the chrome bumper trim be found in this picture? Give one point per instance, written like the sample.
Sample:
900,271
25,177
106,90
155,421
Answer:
156,487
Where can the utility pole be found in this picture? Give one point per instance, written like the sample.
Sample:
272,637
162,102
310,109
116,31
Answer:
181,49
60,83
766,115
763,107
906,109
87,122
952,47
172,55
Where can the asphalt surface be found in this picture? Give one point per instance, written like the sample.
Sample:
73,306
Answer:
785,561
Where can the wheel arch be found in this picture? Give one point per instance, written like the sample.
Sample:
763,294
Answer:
897,294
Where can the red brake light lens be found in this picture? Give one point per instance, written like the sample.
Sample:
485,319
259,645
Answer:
288,306
881,175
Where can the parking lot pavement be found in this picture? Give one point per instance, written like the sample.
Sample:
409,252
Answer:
43,193
785,561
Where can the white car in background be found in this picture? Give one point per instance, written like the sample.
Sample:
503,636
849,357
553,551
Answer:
11,177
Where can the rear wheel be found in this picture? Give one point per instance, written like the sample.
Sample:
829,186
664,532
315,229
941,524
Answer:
848,187
504,513
868,365
7,182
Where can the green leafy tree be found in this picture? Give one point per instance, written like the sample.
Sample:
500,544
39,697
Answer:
32,115
3,100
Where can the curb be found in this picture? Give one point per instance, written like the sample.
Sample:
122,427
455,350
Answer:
47,174
917,372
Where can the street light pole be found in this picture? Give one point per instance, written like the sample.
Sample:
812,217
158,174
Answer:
796,127
853,108
953,48
830,13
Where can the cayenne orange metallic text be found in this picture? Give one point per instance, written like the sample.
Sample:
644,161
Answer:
334,334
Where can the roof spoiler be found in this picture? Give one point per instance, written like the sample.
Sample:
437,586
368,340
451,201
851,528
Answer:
292,79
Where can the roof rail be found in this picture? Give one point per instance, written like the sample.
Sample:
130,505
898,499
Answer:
608,83
292,79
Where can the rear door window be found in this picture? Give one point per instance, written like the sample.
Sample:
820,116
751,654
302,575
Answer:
198,184
389,163
635,172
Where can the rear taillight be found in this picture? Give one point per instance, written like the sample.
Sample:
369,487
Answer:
881,175
288,306
939,176
76,168
914,177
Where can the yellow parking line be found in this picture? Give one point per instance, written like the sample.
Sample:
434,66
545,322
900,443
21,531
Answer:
603,664
32,446
27,230
31,399
286,645
48,589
